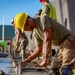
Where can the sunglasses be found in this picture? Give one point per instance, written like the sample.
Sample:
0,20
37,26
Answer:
29,26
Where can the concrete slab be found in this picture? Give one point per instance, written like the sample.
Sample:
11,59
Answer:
6,65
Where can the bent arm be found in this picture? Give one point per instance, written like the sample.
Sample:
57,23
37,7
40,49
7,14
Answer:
17,32
35,54
47,43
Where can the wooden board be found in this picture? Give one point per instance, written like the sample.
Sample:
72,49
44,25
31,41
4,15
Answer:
30,69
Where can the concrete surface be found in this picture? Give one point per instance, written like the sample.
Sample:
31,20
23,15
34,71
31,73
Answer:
6,65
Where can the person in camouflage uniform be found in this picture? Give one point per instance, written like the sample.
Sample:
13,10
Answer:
20,41
47,32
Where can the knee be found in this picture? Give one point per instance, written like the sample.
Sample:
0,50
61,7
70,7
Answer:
66,71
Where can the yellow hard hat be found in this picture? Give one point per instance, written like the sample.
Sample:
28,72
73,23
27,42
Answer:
20,20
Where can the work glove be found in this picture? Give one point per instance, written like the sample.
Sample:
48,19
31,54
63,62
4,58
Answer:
38,13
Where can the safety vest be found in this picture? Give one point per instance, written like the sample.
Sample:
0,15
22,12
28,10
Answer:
52,11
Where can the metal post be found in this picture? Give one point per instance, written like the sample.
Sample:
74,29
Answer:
3,28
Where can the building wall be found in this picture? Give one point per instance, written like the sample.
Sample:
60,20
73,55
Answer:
71,10
8,32
66,13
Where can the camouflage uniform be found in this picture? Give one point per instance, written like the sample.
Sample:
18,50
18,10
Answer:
66,53
61,37
21,44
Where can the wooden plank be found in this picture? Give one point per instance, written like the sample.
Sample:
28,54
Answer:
31,69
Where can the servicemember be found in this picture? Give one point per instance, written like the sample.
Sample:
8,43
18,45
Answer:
47,32
47,9
21,40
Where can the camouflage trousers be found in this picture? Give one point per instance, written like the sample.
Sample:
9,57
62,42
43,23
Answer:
66,53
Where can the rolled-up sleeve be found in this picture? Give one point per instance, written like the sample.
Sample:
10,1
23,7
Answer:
45,21
38,41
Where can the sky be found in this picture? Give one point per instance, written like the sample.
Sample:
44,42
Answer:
9,8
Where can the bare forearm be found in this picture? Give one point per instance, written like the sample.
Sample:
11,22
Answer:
35,54
47,42
18,37
47,49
